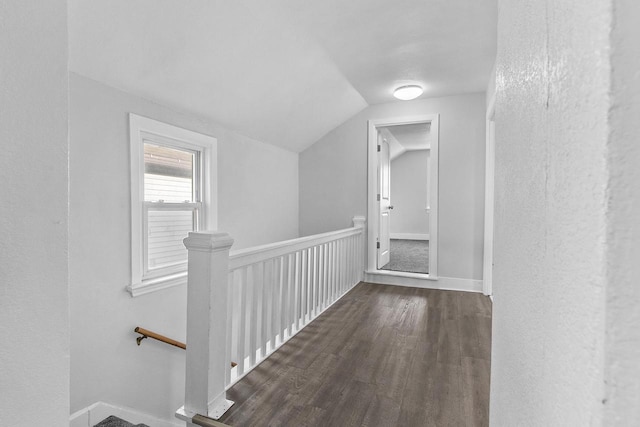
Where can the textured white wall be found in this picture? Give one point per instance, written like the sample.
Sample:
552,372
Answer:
258,191
550,235
409,193
622,375
333,177
34,289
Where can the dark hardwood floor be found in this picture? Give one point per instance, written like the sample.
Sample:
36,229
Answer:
381,356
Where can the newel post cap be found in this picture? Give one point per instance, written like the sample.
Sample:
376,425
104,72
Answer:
208,241
359,221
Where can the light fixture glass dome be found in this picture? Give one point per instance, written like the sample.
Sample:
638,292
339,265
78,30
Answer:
408,92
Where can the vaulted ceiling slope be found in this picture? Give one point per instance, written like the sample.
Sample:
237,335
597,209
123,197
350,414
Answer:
284,72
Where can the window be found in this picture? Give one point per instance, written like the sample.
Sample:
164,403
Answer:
172,193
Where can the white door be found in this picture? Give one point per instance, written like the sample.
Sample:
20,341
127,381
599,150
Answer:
384,203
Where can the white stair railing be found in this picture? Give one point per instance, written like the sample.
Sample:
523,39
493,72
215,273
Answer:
243,305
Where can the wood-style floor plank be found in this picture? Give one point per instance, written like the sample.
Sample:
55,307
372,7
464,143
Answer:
382,412
475,383
380,356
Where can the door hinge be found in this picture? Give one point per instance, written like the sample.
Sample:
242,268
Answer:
378,148
377,245
378,197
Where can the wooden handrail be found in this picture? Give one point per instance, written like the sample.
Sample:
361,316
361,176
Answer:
145,333
149,334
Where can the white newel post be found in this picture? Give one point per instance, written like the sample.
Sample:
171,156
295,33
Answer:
206,325
360,222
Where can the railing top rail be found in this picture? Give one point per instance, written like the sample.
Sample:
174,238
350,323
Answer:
244,257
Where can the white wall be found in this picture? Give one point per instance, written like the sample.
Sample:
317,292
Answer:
491,87
409,193
622,372
333,177
258,203
34,293
550,224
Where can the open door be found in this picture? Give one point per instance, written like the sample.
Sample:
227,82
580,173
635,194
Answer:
384,202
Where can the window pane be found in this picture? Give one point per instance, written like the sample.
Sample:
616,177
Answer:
168,174
166,230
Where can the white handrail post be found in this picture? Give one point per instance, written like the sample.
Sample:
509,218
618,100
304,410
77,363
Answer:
360,222
207,289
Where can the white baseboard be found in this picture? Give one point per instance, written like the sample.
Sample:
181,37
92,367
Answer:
409,236
93,414
414,280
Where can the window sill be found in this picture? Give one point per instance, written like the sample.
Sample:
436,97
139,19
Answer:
151,285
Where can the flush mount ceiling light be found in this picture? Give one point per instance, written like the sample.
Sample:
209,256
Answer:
408,92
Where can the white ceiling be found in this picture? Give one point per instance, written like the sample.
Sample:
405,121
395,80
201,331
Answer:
412,137
282,71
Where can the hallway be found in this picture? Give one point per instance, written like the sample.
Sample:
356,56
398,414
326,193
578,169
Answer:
381,356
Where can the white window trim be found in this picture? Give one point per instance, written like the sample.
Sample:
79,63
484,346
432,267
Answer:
139,125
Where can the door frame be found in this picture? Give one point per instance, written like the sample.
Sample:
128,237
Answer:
489,199
372,191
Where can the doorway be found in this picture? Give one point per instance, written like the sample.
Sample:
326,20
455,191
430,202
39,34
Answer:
408,187
403,195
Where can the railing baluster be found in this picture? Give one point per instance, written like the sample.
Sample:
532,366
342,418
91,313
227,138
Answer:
320,278
340,265
268,306
347,264
264,297
325,274
297,291
311,275
321,275
351,261
304,260
275,303
305,288
334,288
289,270
235,314
316,280
309,284
329,277
282,313
230,322
320,303
242,324
326,300
254,323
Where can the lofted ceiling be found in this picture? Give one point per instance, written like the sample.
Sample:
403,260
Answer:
413,136
405,138
285,72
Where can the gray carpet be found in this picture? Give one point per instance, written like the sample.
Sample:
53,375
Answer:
114,421
411,256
